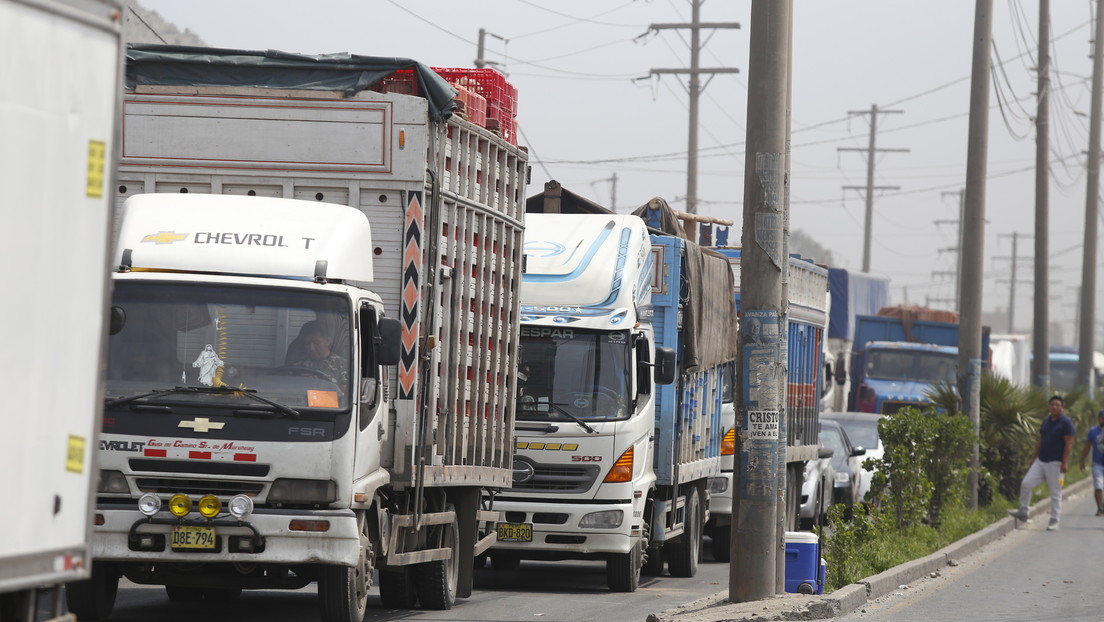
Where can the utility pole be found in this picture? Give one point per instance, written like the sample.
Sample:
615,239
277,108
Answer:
871,151
1040,336
612,179
480,59
694,90
973,232
1087,315
961,194
1015,259
761,369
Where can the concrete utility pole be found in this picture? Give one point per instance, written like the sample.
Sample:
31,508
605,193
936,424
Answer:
612,179
481,60
961,194
1087,315
869,189
1040,336
973,232
753,573
695,89
1015,259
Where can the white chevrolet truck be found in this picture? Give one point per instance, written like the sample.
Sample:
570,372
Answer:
310,367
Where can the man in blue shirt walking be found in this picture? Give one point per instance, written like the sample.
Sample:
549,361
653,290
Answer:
1050,461
1094,440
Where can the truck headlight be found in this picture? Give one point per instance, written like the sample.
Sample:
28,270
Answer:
607,519
314,491
843,478
149,504
240,506
180,504
113,482
717,485
210,506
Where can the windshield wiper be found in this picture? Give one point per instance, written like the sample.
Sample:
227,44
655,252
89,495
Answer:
250,393
560,409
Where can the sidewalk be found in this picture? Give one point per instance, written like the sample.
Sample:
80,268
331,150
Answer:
716,608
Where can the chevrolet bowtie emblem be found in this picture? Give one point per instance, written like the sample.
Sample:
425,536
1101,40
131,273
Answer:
165,237
201,424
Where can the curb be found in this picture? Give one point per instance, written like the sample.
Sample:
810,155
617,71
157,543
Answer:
717,608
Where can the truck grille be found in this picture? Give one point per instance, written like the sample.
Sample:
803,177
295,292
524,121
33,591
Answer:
173,485
530,476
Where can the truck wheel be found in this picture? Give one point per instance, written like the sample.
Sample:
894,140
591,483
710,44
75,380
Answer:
397,588
93,598
623,569
343,591
722,543
682,559
222,594
436,580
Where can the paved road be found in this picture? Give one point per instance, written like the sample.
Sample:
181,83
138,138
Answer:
537,591
1030,574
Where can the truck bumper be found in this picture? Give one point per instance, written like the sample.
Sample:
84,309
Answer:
556,527
266,536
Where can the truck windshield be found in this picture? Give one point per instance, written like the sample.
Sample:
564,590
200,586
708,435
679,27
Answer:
567,372
287,346
912,365
1063,375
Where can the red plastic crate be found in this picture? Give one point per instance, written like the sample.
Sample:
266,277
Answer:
489,83
402,81
475,105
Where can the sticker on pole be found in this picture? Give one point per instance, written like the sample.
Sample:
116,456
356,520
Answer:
763,425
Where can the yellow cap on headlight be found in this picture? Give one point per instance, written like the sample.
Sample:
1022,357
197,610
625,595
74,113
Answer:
180,505
210,506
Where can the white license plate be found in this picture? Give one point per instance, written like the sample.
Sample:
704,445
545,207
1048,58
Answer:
193,537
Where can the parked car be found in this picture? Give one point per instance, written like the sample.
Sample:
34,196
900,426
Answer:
846,464
816,490
862,429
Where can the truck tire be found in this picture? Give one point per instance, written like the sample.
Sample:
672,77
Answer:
623,569
93,598
343,590
722,543
436,580
181,594
397,588
685,552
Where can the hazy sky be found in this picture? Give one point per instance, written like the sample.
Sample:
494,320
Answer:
589,111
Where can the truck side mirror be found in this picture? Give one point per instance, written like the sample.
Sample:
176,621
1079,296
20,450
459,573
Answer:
841,373
390,343
665,370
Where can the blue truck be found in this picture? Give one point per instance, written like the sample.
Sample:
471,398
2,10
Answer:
898,358
808,318
852,294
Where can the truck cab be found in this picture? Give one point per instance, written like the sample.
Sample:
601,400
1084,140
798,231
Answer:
244,402
899,374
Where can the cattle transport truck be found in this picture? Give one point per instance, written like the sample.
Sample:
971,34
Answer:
311,363
59,119
624,339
